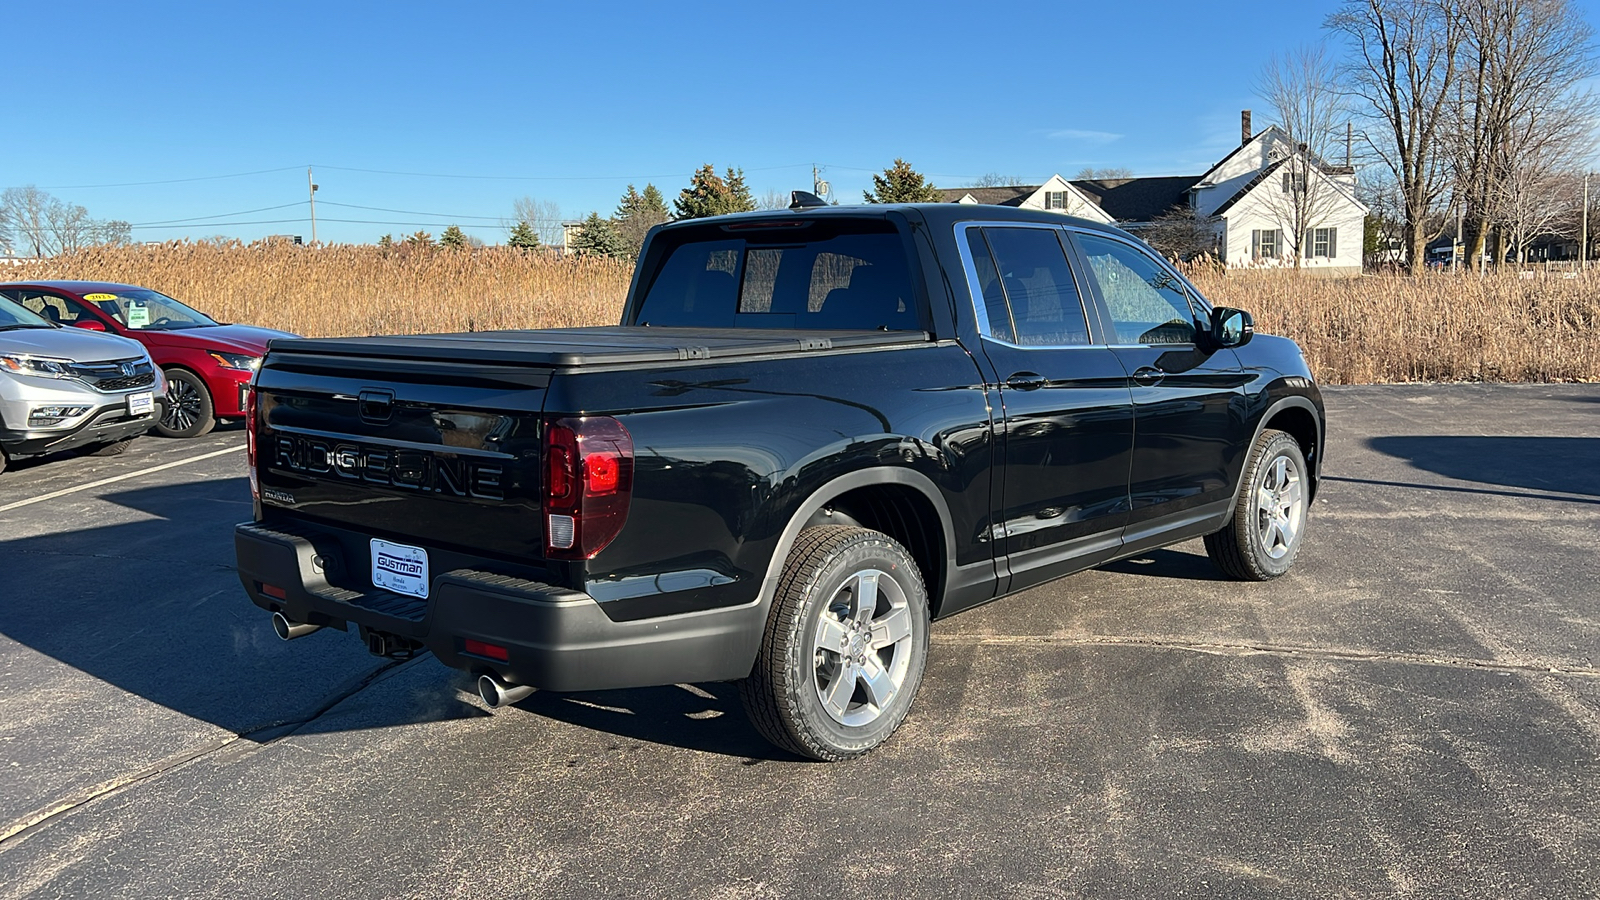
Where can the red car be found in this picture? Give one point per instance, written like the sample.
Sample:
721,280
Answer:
208,364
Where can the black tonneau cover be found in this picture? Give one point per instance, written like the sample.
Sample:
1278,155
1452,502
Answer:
608,345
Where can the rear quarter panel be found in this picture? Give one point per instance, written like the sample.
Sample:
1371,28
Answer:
726,455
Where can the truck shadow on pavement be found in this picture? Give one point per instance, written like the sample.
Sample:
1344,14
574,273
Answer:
1168,563
1555,464
153,608
706,717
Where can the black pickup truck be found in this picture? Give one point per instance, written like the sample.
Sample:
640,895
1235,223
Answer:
814,432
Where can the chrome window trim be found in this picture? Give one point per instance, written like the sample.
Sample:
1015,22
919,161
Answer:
975,290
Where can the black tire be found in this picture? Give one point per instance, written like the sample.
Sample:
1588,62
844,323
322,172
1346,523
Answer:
114,448
189,411
1260,544
826,574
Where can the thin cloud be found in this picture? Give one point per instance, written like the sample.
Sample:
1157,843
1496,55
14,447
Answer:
1083,136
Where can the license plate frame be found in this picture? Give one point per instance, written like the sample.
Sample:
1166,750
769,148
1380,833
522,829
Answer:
142,403
401,568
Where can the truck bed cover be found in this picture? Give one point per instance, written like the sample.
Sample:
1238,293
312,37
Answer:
606,345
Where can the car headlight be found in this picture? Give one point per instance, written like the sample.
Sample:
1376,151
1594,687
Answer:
37,365
241,361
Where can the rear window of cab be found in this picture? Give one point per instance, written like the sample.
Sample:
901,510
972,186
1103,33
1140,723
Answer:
836,276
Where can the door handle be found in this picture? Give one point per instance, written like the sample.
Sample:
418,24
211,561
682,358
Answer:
1146,376
1026,381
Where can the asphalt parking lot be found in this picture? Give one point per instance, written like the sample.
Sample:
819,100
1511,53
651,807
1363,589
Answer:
1414,711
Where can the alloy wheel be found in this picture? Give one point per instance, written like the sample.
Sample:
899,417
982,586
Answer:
183,405
862,648
1280,507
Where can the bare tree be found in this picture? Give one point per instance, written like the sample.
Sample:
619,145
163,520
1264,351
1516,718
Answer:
773,199
1089,173
1523,113
1402,69
28,210
995,179
1181,235
1301,88
543,216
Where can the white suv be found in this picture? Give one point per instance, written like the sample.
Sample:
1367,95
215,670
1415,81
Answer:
63,388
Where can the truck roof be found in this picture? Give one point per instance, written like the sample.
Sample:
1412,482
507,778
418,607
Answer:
935,214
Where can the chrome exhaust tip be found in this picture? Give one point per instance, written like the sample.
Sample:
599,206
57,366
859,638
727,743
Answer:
288,630
497,693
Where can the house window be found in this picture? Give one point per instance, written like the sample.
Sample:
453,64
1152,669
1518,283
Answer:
1266,243
1294,182
1324,242
1055,199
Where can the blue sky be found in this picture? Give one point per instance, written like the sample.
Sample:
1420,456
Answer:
577,100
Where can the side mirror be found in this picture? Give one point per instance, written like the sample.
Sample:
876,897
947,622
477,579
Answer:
1231,327
89,324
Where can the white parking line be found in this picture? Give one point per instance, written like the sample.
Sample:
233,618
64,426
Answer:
94,484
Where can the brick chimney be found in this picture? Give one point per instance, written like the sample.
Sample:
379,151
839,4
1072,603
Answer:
1244,128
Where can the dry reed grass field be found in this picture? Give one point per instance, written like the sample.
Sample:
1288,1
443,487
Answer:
1359,330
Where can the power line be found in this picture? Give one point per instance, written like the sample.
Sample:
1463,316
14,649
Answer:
302,220
410,212
543,177
84,187
242,212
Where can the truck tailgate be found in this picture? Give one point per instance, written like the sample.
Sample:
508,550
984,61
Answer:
439,454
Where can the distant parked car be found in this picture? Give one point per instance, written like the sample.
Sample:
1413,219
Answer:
208,364
62,389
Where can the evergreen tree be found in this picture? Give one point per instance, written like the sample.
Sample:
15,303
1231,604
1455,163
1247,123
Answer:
901,184
739,199
386,242
523,237
453,238
708,195
637,213
420,239
598,237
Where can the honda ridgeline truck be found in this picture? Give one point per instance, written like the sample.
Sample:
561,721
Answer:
813,432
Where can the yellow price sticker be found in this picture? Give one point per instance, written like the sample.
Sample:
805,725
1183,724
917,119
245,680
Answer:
98,297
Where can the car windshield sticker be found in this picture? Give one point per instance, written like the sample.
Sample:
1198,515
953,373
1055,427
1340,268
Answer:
96,298
138,314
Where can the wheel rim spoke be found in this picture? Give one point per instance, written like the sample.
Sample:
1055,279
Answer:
866,592
831,634
892,628
875,678
840,690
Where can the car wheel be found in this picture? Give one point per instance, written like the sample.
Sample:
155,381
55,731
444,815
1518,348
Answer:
189,410
844,648
114,448
1269,518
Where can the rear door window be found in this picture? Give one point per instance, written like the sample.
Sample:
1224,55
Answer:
53,307
1046,309
828,280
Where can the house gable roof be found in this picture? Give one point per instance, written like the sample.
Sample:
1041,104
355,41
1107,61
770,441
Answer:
1266,173
1137,199
992,196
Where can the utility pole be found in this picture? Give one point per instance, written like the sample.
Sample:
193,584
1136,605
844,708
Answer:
1583,245
818,186
312,182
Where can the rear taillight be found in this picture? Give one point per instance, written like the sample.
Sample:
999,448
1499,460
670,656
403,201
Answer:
250,440
588,484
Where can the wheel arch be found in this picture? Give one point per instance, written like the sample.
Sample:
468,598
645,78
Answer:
1300,418
893,500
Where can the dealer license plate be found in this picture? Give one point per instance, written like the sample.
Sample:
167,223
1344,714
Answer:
141,404
401,568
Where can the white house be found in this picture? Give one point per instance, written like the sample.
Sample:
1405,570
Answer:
1269,203
1057,194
